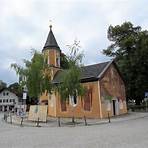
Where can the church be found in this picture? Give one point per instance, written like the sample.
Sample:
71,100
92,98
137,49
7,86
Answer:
102,80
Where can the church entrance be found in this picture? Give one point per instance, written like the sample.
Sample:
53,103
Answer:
115,107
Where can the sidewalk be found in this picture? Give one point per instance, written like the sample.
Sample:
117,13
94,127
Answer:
67,122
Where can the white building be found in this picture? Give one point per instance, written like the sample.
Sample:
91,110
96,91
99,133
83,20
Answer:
8,100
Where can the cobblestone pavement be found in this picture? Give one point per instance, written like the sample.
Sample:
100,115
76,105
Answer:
129,131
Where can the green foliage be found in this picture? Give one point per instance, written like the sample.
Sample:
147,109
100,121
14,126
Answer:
15,88
71,85
75,57
64,61
2,84
108,97
35,75
130,48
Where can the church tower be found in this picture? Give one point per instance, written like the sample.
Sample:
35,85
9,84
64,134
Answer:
52,51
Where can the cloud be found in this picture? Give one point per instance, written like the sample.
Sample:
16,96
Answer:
24,25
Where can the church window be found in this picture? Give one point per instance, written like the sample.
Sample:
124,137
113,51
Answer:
73,99
88,100
63,105
48,60
57,60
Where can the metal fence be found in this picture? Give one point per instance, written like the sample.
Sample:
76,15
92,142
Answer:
138,108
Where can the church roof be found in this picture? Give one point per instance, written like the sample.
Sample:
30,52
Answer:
93,70
89,73
51,42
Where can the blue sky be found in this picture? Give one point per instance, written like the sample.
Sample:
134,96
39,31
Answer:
24,24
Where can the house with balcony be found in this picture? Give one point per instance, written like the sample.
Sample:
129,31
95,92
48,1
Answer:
8,100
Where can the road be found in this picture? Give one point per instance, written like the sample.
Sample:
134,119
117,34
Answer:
125,132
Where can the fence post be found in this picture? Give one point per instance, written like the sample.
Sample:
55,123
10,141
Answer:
85,121
22,121
59,122
6,117
73,120
109,118
38,121
10,118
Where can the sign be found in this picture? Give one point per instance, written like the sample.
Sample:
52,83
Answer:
24,95
38,112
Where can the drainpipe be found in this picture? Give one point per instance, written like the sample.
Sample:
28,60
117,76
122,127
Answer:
99,95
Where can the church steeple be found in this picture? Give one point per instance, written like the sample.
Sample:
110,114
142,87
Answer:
51,50
51,42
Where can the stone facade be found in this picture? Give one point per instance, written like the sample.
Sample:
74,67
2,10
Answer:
94,104
101,80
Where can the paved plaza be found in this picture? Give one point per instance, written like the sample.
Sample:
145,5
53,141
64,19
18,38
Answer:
129,131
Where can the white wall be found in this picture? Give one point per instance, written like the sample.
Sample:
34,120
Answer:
7,95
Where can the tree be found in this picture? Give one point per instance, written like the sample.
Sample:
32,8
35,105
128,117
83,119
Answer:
64,61
70,85
2,84
35,75
129,47
15,88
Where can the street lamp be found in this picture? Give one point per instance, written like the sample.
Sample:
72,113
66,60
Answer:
24,99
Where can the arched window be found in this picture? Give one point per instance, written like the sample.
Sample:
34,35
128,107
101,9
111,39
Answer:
63,105
73,99
58,60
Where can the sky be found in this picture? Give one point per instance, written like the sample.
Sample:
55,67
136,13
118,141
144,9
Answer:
24,24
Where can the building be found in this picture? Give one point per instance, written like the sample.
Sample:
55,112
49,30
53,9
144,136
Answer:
101,80
8,100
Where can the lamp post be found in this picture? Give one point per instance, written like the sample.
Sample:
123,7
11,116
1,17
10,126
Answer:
24,99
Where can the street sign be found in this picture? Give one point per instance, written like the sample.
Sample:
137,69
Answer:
24,95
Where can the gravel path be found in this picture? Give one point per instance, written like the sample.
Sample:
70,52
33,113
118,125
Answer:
130,131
